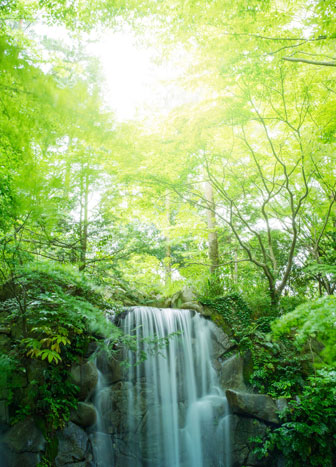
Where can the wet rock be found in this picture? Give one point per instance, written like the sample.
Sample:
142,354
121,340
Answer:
85,376
243,430
231,374
85,415
73,446
259,406
24,437
109,365
113,401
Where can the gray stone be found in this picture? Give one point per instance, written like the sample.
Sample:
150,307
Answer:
243,430
258,406
73,446
24,437
231,373
109,365
85,415
85,376
221,342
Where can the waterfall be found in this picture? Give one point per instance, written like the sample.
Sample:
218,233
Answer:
100,439
177,415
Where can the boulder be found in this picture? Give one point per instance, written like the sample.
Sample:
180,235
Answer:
85,415
73,446
24,437
231,374
258,406
85,376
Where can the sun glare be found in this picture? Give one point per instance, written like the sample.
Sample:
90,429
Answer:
138,82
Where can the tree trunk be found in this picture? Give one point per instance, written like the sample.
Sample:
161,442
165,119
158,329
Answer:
168,258
84,221
211,222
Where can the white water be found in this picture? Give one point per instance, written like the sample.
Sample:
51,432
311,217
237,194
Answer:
101,441
177,414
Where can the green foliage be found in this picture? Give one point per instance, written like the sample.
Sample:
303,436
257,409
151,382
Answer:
233,310
8,365
307,433
278,368
309,321
59,312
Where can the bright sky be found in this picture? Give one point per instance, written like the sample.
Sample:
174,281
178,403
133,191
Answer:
137,83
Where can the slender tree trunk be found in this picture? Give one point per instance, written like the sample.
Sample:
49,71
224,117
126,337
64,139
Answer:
211,222
235,268
168,258
84,221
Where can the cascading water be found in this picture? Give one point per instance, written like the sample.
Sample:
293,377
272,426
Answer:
100,439
177,415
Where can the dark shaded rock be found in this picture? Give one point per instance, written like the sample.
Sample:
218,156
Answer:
73,446
92,348
231,373
24,459
85,415
4,415
85,376
35,370
24,437
242,431
259,406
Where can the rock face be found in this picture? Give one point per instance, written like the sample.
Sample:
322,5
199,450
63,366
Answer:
23,445
232,373
243,430
73,447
